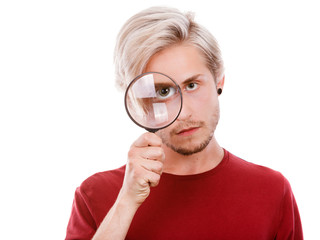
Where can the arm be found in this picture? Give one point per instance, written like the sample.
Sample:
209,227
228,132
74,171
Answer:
144,167
290,223
117,222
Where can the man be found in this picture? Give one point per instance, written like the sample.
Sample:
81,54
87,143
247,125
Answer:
179,183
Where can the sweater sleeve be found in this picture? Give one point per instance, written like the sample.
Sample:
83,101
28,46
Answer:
290,224
81,223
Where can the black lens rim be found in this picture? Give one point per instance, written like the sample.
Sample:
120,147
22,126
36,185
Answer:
127,110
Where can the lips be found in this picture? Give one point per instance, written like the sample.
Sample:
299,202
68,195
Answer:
186,128
187,131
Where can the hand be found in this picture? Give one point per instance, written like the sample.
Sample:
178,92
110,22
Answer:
144,168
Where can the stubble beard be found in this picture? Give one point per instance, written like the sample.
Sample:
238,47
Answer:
187,151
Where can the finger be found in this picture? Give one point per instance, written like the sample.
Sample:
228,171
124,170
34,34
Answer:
152,166
153,179
152,153
148,139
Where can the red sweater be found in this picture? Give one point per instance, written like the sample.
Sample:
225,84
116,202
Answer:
235,200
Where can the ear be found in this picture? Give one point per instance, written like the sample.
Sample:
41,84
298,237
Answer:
220,84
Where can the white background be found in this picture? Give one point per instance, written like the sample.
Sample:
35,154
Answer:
62,119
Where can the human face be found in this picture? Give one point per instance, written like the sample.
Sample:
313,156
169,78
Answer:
195,126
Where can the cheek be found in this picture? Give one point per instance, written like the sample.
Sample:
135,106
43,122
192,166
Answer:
165,132
207,101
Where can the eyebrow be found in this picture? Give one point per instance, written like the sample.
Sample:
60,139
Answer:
191,79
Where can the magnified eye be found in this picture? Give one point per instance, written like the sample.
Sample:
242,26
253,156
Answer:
191,86
165,92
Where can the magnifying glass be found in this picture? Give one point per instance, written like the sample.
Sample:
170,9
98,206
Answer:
153,101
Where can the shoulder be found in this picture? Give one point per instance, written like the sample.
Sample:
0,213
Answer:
241,165
257,175
108,181
109,175
93,199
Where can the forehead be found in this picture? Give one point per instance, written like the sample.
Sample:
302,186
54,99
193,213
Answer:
180,62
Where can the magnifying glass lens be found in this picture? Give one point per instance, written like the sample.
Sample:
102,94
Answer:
153,101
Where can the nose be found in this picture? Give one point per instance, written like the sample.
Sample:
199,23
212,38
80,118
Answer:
186,110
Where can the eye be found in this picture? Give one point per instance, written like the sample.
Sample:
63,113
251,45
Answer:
191,86
165,92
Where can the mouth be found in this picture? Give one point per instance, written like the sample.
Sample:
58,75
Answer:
187,131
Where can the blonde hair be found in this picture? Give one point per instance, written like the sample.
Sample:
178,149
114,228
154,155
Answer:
155,29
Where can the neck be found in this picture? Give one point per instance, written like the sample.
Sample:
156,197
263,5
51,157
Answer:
200,162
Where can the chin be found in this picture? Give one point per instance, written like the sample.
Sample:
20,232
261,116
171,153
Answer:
189,146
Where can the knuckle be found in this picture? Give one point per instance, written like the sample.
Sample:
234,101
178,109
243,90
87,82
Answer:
131,156
158,166
131,163
137,176
157,178
154,180
133,153
152,139
158,141
155,184
158,152
146,137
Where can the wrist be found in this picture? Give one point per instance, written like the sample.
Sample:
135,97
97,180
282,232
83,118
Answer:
125,200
